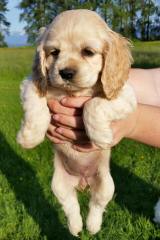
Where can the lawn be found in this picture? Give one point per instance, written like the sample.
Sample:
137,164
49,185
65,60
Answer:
28,209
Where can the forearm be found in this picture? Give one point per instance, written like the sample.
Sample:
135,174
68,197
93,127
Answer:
147,128
146,83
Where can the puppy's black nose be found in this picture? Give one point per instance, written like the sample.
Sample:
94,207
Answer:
67,73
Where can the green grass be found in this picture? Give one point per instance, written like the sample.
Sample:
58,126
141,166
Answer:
146,54
28,209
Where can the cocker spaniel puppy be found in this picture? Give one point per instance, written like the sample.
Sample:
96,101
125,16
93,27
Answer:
79,55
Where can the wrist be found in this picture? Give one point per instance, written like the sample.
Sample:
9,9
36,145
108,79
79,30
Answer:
132,124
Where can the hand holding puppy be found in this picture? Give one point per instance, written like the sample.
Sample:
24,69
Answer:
70,111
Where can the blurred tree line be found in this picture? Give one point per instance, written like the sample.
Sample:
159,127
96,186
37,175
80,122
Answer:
136,19
4,24
133,18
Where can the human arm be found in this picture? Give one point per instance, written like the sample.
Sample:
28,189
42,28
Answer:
146,84
143,125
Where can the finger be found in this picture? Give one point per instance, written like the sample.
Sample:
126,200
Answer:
56,107
56,135
57,124
88,147
70,121
52,132
54,139
76,102
76,135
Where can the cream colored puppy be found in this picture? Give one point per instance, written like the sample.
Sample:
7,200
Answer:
79,55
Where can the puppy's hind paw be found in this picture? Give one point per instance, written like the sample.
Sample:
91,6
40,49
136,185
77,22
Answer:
94,220
75,226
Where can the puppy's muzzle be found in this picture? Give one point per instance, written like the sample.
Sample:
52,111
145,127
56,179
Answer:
67,73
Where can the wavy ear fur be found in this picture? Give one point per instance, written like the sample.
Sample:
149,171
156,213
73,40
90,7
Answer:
117,62
39,72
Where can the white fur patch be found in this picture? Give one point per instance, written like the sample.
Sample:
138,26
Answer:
36,116
157,212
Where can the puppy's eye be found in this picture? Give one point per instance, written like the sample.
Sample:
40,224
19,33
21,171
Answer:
55,52
87,52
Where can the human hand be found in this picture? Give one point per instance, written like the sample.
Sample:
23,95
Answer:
121,129
67,124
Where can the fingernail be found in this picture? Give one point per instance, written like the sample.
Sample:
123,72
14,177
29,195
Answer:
55,116
74,147
59,130
64,100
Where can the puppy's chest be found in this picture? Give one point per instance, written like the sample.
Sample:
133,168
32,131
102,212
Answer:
76,163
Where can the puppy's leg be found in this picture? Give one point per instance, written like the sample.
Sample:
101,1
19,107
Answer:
63,186
102,189
104,112
36,116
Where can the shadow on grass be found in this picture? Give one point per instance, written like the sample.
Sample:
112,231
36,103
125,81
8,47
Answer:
143,59
22,180
133,193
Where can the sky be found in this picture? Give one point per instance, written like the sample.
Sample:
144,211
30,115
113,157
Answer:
13,17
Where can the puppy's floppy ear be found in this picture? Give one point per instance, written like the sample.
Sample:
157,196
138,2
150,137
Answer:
39,72
117,62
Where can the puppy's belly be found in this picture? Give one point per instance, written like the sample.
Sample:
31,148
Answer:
77,163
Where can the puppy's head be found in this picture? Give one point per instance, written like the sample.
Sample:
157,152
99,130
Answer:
77,51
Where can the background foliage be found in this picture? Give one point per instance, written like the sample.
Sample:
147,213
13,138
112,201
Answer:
132,18
4,24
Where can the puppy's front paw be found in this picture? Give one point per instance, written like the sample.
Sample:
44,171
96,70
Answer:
28,139
98,114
